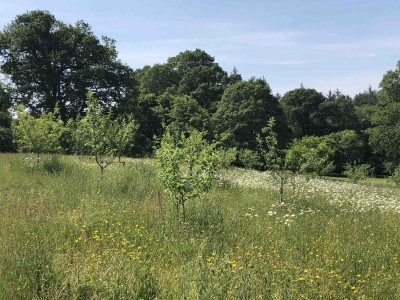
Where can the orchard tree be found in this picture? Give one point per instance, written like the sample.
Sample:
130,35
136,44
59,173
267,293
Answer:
187,166
38,135
124,134
274,158
97,133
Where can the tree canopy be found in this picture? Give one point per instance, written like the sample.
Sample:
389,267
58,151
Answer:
244,109
51,63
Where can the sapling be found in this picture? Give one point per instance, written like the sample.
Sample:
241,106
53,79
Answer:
274,158
187,166
39,135
99,135
124,133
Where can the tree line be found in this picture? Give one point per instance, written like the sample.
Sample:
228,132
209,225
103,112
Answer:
48,67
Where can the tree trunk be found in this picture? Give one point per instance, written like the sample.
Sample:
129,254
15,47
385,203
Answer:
101,172
281,193
183,208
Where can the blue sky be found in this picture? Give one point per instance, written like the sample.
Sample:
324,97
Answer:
324,44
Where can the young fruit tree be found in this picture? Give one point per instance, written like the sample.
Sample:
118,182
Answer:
38,135
124,134
187,166
101,136
274,158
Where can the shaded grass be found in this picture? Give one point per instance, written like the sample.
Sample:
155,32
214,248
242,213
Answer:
68,235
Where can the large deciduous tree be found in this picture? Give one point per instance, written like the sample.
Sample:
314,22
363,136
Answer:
199,77
384,136
302,108
5,119
244,110
50,62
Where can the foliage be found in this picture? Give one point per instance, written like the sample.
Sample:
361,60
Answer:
186,114
249,159
302,109
52,63
5,119
124,128
396,176
274,158
310,155
188,166
348,145
338,113
245,108
99,135
200,77
356,171
384,136
39,135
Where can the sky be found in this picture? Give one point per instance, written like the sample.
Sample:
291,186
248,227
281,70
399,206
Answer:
323,44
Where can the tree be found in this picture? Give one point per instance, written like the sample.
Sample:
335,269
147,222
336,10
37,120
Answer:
384,135
51,63
157,79
356,171
368,97
310,155
124,134
199,77
337,113
5,119
244,110
348,145
39,135
95,133
274,158
186,114
234,77
302,109
187,166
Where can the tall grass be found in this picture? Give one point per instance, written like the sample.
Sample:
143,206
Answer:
69,235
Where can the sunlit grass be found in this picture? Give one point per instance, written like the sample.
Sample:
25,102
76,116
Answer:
70,235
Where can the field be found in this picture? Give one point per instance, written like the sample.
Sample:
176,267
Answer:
66,234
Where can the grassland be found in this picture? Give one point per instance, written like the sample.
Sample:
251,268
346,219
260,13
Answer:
65,234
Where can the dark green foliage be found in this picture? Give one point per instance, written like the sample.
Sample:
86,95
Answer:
186,114
384,136
245,108
6,138
199,77
249,159
302,109
338,113
368,97
157,79
51,63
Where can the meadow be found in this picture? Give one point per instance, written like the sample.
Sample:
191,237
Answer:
66,234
